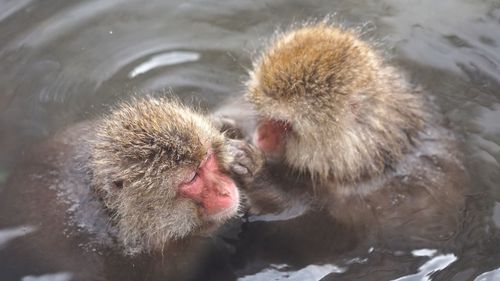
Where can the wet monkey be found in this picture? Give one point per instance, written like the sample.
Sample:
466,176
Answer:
164,172
140,188
340,126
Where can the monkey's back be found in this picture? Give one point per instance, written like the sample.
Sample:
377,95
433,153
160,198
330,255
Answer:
417,202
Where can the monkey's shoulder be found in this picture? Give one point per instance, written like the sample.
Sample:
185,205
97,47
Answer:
54,173
421,195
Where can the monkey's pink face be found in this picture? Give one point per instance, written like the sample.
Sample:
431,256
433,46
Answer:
270,136
212,190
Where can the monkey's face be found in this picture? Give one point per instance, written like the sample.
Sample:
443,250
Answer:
163,206
211,190
157,165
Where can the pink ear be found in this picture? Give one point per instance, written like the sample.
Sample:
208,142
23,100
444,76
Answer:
270,135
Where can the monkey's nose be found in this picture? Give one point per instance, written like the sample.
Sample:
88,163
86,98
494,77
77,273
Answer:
219,186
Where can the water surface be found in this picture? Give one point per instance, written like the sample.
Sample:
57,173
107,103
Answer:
64,61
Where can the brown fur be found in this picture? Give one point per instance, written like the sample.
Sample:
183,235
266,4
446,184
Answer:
97,199
351,114
364,143
139,154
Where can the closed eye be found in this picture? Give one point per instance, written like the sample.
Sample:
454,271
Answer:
195,175
192,178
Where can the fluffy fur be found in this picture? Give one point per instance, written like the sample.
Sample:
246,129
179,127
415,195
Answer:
140,153
352,115
364,144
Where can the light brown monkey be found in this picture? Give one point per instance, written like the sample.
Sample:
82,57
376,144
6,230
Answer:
159,167
338,124
148,179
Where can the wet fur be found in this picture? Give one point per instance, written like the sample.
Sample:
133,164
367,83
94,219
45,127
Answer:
365,144
147,147
64,193
340,97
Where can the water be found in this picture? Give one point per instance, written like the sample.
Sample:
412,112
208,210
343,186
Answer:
63,61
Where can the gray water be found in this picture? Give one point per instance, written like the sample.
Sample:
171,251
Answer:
64,61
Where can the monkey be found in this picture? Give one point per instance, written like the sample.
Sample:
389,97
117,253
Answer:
152,150
138,188
342,128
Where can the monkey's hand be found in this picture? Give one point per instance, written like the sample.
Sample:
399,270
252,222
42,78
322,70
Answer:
247,161
228,126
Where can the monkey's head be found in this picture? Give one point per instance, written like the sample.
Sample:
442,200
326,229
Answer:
158,167
327,103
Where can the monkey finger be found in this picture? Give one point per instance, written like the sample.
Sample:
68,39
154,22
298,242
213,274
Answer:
228,126
237,143
240,170
222,122
254,159
247,163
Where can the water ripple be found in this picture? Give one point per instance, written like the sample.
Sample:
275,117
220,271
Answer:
435,264
11,7
62,23
9,234
169,58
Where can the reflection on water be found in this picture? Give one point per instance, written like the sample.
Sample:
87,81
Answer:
9,234
164,60
496,215
491,275
278,272
62,61
10,7
435,264
63,276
